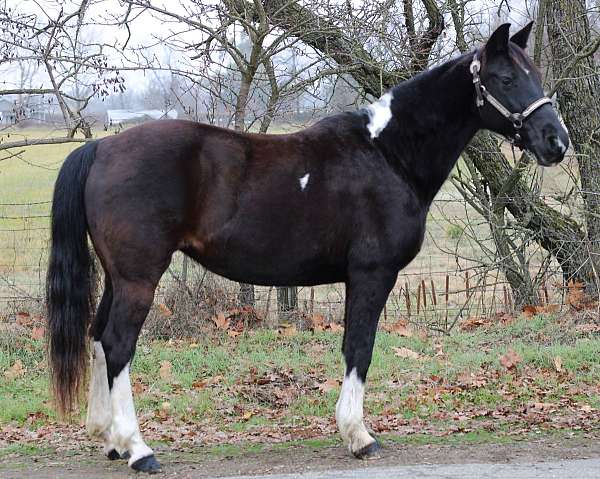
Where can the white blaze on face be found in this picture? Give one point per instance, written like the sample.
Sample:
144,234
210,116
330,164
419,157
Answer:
349,413
125,431
380,113
562,146
304,181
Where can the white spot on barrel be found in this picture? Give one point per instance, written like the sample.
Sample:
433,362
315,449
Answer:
304,181
380,114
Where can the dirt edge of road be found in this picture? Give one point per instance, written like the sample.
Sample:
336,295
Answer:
201,463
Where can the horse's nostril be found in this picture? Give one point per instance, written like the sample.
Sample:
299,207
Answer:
556,144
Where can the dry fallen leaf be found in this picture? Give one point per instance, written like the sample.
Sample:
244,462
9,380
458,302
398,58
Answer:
551,308
576,294
406,353
138,386
164,310
23,318
471,323
335,328
247,415
543,406
166,370
221,322
38,333
329,385
287,330
510,359
558,364
317,322
15,371
529,311
400,328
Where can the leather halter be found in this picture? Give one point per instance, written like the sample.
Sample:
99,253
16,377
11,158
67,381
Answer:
483,95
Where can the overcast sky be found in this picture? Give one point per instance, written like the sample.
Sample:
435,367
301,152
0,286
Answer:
146,28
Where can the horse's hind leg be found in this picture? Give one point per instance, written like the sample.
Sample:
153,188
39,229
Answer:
99,415
130,305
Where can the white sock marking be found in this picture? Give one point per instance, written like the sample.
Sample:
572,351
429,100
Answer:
349,413
125,431
380,114
98,413
304,181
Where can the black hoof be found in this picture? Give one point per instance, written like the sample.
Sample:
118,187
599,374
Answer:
147,464
372,451
113,455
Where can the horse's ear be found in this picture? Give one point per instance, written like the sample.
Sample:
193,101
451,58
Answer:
522,36
498,41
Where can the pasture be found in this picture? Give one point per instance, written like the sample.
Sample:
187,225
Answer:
498,379
217,396
452,274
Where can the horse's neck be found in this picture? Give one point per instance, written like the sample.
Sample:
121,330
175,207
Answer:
433,121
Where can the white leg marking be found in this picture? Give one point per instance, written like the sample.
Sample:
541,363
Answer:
125,431
349,413
99,414
304,181
380,114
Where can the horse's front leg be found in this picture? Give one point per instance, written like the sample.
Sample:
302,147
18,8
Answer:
366,294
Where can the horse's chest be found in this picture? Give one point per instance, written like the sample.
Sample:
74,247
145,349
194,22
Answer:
408,240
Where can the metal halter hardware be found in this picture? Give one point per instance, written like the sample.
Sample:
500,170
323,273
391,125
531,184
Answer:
482,95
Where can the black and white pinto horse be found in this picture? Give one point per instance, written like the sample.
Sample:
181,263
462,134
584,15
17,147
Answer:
344,200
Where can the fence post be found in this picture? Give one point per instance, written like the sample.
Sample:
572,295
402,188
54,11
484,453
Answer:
287,299
246,295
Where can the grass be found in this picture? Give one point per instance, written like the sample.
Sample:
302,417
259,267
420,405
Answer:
294,367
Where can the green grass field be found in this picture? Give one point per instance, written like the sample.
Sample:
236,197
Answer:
278,388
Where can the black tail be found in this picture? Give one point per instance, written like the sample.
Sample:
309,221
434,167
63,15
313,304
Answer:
70,281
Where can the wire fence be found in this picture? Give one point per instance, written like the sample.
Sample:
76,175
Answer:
457,274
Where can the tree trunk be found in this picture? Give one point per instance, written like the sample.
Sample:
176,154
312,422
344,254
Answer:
239,118
558,234
579,101
246,295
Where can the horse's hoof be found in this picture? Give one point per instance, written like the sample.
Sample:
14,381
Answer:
371,451
113,455
147,464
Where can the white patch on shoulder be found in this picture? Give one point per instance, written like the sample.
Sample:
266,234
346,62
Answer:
349,413
380,113
304,181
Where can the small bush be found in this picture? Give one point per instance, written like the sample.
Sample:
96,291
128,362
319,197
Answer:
454,231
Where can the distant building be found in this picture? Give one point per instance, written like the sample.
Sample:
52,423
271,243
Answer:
121,117
7,114
11,111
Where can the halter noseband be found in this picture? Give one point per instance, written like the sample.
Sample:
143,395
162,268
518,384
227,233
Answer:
483,95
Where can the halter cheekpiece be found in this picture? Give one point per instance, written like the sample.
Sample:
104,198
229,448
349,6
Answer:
483,95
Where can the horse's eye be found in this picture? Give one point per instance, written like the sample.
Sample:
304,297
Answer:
506,80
